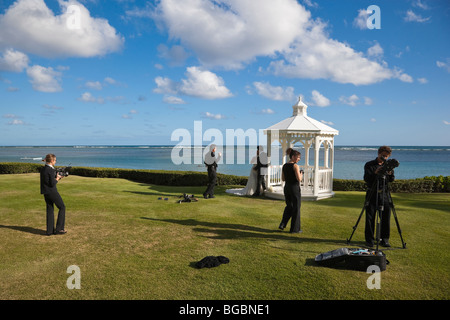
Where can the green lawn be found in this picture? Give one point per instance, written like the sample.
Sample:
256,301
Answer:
130,245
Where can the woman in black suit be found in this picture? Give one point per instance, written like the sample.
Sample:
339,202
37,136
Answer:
49,179
292,176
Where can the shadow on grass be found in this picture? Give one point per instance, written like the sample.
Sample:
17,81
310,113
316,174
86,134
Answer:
25,229
239,231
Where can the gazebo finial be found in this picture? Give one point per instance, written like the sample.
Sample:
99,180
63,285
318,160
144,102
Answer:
300,107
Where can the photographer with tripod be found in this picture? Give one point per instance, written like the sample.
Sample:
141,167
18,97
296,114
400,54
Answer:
377,197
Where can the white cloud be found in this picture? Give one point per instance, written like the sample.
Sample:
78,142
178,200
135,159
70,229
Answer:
360,21
49,107
204,84
327,122
30,26
375,51
444,65
88,97
402,76
165,85
10,116
236,31
319,100
421,5
315,56
110,80
173,100
15,119
199,83
368,101
274,93
44,79
353,100
213,116
310,3
95,85
13,61
267,111
422,80
412,17
16,122
446,122
239,31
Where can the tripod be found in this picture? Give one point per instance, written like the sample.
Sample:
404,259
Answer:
381,193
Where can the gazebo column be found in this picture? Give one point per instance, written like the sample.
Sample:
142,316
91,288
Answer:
307,145
326,149
316,166
286,143
269,154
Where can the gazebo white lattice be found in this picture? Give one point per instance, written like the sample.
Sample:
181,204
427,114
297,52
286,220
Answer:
317,179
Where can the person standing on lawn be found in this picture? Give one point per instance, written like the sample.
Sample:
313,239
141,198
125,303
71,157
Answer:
49,179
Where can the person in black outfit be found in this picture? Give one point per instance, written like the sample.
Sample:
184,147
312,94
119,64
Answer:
292,175
261,168
211,163
49,179
376,182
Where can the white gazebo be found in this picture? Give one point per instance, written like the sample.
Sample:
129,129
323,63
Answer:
318,176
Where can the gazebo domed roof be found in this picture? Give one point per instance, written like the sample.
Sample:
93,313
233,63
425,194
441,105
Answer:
300,122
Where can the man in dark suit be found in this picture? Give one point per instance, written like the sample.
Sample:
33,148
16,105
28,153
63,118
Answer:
49,179
377,190
261,168
211,163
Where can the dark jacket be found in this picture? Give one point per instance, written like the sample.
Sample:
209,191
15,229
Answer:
48,180
369,174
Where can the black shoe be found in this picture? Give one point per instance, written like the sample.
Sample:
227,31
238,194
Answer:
282,226
61,232
205,196
211,197
385,243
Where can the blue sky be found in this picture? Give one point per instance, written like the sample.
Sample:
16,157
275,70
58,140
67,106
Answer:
124,72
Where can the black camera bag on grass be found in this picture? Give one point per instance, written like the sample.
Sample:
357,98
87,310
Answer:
355,259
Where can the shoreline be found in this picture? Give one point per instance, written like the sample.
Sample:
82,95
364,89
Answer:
348,161
202,172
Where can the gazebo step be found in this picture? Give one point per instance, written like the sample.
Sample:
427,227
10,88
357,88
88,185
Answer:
277,193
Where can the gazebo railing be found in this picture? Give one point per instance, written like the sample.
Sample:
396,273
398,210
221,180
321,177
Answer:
325,178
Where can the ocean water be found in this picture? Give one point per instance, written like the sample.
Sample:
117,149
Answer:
415,161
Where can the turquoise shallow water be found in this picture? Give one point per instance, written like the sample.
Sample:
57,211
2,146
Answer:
415,161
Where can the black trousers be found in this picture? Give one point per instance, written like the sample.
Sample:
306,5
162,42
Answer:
212,180
52,199
293,200
260,183
385,216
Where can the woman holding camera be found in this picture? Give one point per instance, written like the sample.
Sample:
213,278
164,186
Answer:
49,179
292,175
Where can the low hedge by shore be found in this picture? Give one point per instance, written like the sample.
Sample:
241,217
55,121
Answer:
192,178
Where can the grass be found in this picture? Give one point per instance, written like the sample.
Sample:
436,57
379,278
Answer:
130,245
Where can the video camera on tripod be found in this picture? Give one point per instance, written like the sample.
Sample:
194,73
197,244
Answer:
388,166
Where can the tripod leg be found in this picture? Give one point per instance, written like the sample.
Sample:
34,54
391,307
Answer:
391,203
380,209
356,225
366,203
